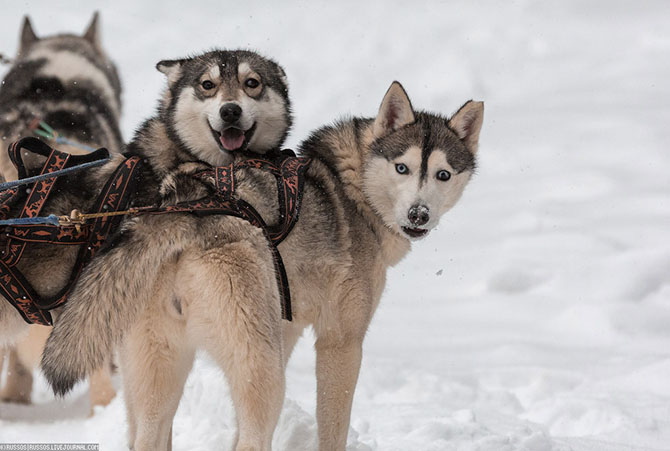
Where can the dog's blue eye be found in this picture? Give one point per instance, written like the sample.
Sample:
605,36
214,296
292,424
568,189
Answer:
252,83
443,175
207,85
401,168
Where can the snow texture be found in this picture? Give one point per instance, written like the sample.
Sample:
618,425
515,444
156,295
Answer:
537,317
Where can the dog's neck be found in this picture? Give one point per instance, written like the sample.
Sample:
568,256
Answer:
344,150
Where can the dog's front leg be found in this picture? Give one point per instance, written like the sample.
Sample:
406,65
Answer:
337,366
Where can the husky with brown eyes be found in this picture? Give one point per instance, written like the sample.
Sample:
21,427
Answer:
225,101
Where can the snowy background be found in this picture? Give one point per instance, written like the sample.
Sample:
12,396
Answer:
538,316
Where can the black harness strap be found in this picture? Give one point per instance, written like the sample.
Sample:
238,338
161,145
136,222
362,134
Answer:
115,196
13,284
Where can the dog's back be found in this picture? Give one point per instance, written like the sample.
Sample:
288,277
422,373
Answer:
69,83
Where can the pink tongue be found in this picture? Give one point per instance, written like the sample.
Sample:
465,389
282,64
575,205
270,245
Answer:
232,139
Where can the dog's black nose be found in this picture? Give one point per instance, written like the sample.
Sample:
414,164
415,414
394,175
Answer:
230,112
418,215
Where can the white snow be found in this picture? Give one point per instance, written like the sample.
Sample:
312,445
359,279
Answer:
538,316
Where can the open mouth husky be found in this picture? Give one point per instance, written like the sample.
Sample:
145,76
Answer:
222,102
195,126
194,121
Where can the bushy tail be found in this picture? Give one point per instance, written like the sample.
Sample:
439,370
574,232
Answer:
107,299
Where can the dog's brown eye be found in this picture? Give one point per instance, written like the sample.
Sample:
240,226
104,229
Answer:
207,85
443,175
252,83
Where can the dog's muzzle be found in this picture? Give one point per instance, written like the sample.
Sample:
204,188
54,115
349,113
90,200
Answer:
233,137
418,216
230,113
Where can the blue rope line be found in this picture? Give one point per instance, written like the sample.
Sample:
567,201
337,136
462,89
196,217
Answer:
64,140
51,219
37,178
41,128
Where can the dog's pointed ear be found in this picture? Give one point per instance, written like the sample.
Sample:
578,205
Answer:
92,33
467,122
28,36
395,111
171,68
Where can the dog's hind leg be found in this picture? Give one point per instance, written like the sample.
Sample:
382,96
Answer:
19,383
154,372
23,358
101,390
291,333
234,313
155,361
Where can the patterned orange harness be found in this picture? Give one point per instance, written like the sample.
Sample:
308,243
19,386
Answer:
94,233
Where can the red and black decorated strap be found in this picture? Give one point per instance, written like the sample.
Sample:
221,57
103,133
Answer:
255,218
253,162
33,206
35,146
40,191
51,234
8,199
221,173
19,293
115,196
224,177
13,285
290,184
289,172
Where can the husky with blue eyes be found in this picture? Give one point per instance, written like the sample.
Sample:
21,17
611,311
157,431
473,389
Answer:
390,179
418,172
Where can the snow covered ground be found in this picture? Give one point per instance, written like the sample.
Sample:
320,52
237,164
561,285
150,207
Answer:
538,316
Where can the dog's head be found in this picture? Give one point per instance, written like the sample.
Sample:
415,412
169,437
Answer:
48,64
419,163
226,101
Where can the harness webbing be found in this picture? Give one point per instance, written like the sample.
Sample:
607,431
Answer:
92,230
13,285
